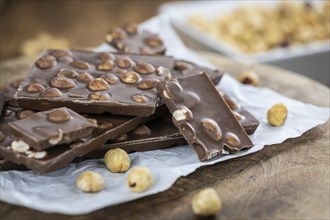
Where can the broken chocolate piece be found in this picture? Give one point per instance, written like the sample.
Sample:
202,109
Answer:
203,117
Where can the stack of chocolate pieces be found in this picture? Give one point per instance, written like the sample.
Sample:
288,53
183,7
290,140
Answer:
77,104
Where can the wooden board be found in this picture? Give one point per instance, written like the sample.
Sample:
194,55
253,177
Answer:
284,181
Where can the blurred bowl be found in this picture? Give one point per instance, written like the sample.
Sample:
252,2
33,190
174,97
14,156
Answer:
310,59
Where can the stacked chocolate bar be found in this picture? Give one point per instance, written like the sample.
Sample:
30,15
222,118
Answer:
77,104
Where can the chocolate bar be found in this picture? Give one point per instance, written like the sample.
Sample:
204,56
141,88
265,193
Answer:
130,39
90,82
45,129
203,117
9,91
183,68
2,101
8,165
109,127
245,118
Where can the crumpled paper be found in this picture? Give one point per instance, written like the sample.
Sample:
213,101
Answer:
56,192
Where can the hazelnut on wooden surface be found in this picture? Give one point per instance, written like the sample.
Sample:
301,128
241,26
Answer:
249,77
139,179
206,202
117,160
277,114
90,182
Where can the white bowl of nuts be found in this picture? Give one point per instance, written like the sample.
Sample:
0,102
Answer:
290,34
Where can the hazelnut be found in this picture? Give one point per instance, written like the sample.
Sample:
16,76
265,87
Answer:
51,92
161,71
24,113
106,65
182,114
277,114
37,155
110,78
98,84
46,62
62,83
90,182
79,64
131,28
115,34
129,77
147,84
57,138
117,160
206,202
144,68
106,125
212,129
35,87
85,77
249,77
59,115
230,102
145,50
8,112
139,179
238,116
99,96
124,62
107,56
67,73
65,59
140,98
181,65
142,130
232,140
122,138
19,146
153,41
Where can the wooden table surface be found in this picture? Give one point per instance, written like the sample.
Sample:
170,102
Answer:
284,181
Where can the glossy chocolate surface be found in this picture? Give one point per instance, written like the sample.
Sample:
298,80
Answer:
203,117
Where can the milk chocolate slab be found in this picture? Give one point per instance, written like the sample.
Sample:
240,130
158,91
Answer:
9,90
131,39
203,117
2,101
183,68
109,127
90,82
8,165
46,129
245,118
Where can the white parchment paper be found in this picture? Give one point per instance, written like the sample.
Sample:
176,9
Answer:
56,192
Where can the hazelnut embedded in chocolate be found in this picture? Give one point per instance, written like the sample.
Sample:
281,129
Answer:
46,62
51,92
62,83
99,96
110,78
153,41
67,73
107,56
115,34
144,68
85,77
142,130
98,84
129,77
145,50
35,87
181,65
232,140
24,113
140,98
147,84
230,102
61,53
212,129
124,62
59,115
79,64
106,65
106,125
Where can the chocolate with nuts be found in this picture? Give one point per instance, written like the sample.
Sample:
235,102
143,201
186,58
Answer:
109,127
131,39
203,117
183,68
2,101
90,82
46,129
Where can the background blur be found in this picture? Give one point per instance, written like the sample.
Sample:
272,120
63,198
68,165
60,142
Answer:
73,23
